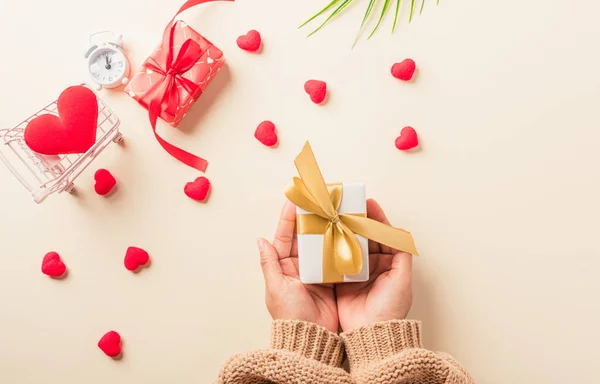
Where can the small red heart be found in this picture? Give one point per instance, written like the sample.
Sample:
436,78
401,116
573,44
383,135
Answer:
197,189
105,182
317,90
407,140
72,131
110,344
250,41
265,133
53,266
135,258
404,70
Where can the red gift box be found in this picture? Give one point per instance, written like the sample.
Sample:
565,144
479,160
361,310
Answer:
173,78
203,71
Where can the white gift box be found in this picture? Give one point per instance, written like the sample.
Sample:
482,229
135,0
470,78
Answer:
310,246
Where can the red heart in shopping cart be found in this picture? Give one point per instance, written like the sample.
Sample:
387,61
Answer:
72,131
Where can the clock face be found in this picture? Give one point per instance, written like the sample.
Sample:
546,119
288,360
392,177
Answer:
108,66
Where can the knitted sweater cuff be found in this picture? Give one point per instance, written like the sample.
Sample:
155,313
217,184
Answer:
308,340
378,341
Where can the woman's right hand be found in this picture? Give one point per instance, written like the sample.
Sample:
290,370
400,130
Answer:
388,293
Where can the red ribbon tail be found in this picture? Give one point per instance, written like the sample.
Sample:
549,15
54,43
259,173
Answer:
178,153
167,41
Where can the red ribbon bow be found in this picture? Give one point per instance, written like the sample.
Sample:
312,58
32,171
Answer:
189,54
164,95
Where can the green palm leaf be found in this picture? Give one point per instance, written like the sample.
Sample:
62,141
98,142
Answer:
338,10
342,4
367,14
386,7
327,8
396,15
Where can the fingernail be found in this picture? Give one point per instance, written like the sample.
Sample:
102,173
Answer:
261,245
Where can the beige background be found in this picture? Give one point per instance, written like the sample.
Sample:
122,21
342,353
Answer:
502,199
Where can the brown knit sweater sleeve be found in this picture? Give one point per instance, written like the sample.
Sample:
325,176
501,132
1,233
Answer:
300,352
391,352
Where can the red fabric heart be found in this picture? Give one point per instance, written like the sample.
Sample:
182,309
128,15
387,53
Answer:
265,133
407,140
197,189
105,182
73,131
135,258
250,41
53,266
110,344
404,70
317,90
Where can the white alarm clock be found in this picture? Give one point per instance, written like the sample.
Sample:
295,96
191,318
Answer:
107,64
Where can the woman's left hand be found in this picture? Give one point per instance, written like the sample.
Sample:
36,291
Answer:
286,297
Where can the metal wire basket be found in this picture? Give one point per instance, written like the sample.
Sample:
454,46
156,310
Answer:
44,175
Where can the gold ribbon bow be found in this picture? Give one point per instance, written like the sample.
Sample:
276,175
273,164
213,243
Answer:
342,252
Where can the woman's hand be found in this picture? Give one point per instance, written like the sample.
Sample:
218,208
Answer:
286,296
388,293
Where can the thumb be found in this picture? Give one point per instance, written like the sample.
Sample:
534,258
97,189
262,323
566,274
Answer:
402,268
269,261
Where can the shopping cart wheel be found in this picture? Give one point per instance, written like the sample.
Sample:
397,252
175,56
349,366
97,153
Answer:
118,138
70,188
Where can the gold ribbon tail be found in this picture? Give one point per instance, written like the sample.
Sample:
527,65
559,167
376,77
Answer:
396,238
348,250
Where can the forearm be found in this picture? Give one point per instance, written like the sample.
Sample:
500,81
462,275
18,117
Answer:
300,352
391,352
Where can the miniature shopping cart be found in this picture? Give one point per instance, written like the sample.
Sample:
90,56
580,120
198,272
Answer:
44,175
